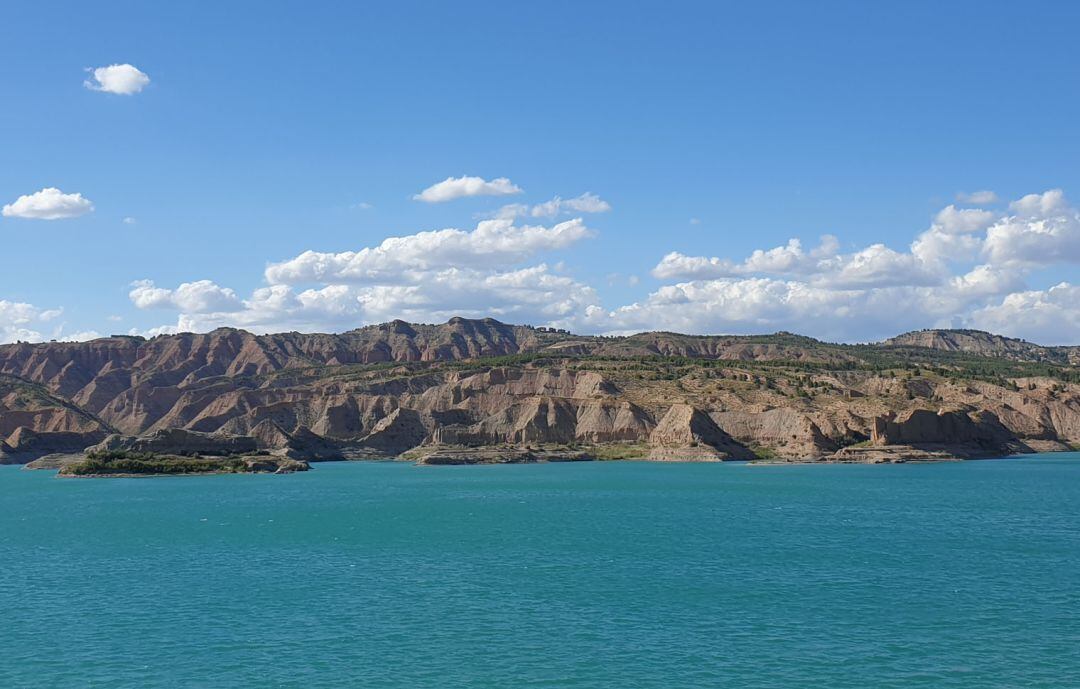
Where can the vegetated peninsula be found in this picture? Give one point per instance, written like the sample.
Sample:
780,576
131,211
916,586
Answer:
472,391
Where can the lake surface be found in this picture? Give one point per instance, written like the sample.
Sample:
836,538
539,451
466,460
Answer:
556,575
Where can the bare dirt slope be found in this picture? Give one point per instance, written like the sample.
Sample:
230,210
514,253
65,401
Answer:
386,389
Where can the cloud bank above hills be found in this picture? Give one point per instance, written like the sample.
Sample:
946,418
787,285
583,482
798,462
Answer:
970,268
977,264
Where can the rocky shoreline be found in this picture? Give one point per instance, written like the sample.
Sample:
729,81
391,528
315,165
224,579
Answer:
472,456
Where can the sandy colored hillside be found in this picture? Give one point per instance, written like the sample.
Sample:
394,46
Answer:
454,389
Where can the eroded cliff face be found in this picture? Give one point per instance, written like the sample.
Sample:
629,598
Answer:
383,390
34,421
686,433
177,441
968,434
784,432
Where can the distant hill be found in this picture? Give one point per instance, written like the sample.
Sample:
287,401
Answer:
986,344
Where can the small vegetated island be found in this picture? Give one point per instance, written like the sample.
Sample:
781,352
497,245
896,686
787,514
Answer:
125,463
480,391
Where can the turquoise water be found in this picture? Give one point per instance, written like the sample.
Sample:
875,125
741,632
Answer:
557,575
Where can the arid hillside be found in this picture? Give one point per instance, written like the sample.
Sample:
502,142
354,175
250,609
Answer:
481,390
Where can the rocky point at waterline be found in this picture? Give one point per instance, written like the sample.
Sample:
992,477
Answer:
483,391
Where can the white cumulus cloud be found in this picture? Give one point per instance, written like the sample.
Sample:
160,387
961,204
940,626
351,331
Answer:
459,187
48,204
534,294
123,80
427,276
1045,204
790,259
1044,230
969,268
201,296
1050,316
493,242
953,220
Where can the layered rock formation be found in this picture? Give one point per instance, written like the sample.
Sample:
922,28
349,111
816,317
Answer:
922,426
689,434
519,392
785,432
300,444
26,444
926,434
177,441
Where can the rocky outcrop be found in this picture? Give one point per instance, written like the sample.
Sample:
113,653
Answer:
543,420
177,441
842,426
399,431
689,434
611,421
890,454
458,455
959,433
274,465
25,444
301,444
35,422
787,433
534,420
1037,409
55,461
57,419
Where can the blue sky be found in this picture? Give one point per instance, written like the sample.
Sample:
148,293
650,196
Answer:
711,130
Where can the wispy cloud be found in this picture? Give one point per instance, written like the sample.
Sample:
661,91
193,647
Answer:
977,197
586,203
20,321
